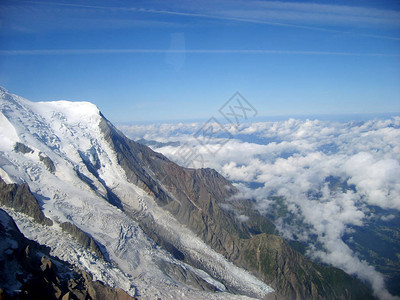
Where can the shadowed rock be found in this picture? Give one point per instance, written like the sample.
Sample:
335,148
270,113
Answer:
22,148
82,238
20,198
27,271
47,162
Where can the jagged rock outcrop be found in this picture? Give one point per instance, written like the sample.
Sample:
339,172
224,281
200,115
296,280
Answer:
47,162
27,271
184,275
82,238
22,148
20,198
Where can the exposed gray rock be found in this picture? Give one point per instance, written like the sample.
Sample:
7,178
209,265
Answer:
82,238
184,275
20,198
47,162
22,148
27,271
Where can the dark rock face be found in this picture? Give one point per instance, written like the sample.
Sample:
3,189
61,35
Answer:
82,238
183,275
22,148
20,198
196,197
47,162
274,261
27,271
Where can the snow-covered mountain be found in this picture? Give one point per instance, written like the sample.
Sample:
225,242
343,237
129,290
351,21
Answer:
155,229
69,135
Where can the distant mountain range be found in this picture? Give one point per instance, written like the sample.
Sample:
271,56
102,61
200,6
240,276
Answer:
128,222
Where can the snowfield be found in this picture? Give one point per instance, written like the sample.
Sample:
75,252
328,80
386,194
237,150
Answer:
68,133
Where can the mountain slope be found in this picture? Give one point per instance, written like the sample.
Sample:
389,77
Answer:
124,196
27,267
70,136
194,197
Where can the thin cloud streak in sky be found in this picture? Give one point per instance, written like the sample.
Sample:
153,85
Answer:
186,14
337,12
187,51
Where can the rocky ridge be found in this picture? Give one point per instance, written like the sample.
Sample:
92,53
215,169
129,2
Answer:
27,271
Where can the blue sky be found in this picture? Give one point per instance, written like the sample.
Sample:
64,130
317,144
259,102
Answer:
179,60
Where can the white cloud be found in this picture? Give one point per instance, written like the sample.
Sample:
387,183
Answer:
242,218
388,217
102,51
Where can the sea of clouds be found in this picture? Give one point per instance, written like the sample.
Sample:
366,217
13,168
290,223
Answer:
295,159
